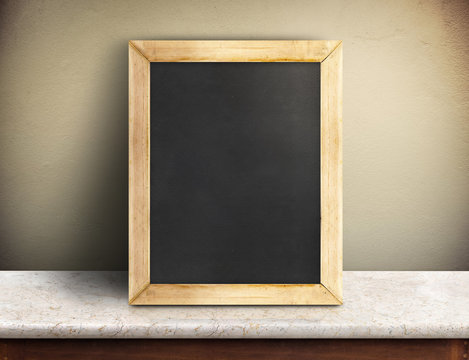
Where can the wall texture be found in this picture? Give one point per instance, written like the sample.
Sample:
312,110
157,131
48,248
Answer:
63,122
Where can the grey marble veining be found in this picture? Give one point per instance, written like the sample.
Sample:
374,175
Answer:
64,304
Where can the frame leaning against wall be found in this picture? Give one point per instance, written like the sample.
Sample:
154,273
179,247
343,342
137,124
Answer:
329,54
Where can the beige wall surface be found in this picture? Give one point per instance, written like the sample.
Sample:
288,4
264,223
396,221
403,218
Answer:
63,122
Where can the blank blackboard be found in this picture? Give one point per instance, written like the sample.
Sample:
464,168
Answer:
235,173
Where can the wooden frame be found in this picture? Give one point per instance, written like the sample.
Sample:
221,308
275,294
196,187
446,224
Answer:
329,54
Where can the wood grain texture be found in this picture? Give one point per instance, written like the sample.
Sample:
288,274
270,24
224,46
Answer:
200,349
139,172
235,294
235,51
329,292
331,173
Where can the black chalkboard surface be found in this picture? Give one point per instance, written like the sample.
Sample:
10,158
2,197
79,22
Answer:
235,173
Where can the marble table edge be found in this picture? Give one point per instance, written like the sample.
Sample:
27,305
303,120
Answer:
132,324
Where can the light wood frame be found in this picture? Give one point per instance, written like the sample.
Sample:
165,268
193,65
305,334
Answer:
329,54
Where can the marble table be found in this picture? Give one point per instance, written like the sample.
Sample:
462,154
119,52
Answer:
70,304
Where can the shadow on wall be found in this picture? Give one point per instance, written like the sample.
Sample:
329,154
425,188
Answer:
64,177
106,202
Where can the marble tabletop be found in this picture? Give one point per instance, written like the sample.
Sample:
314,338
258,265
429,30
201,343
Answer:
70,304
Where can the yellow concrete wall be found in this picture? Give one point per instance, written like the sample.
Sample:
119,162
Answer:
63,122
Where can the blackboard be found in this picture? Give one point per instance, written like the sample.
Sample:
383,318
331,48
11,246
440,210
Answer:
235,172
